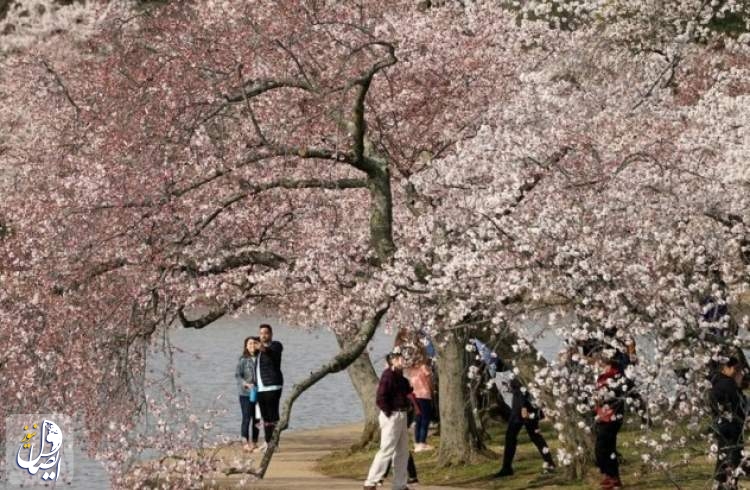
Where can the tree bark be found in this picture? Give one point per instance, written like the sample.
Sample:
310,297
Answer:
365,382
457,444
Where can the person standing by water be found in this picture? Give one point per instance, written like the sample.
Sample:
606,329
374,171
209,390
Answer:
393,401
523,413
728,406
247,387
419,375
270,380
610,410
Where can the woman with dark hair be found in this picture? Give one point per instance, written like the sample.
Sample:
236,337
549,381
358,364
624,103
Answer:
419,375
247,388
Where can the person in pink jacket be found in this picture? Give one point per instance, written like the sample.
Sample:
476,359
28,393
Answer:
419,375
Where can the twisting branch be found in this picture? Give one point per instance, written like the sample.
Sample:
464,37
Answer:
358,113
253,88
242,259
354,348
214,315
250,189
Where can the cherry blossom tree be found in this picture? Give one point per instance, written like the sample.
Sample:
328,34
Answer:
216,158
599,190
449,166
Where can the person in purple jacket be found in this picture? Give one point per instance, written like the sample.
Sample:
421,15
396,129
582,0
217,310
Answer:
393,400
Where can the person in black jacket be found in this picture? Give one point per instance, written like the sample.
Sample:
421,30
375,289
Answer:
523,414
270,380
728,407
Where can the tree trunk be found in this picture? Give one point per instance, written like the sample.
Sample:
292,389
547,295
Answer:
365,382
457,444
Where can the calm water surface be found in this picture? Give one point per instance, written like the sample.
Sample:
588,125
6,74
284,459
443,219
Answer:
205,362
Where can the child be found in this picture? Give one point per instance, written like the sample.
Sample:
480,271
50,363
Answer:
246,385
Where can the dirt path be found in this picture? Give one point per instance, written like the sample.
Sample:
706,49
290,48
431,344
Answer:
293,466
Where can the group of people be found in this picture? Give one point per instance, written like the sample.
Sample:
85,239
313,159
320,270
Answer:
405,396
401,390
259,383
607,418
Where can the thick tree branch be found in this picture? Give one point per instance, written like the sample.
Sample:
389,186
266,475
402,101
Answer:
253,88
304,184
358,112
355,347
242,259
214,315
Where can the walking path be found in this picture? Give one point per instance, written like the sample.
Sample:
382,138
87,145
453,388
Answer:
294,465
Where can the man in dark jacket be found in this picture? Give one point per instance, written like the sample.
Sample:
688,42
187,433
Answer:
729,411
393,401
270,380
523,413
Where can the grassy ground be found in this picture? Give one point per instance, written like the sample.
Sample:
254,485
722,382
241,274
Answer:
695,474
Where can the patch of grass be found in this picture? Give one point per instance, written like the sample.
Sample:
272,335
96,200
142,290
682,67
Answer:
695,474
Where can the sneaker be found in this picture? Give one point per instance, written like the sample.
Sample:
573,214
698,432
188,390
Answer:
413,480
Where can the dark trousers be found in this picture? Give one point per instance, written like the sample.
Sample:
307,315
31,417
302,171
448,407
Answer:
730,441
423,420
511,441
269,411
606,448
248,419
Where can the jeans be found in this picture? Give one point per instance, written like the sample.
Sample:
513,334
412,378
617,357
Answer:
423,420
248,419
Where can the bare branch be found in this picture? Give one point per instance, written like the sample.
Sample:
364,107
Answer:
62,86
253,88
304,184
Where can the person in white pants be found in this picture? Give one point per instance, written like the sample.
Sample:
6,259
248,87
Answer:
393,401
